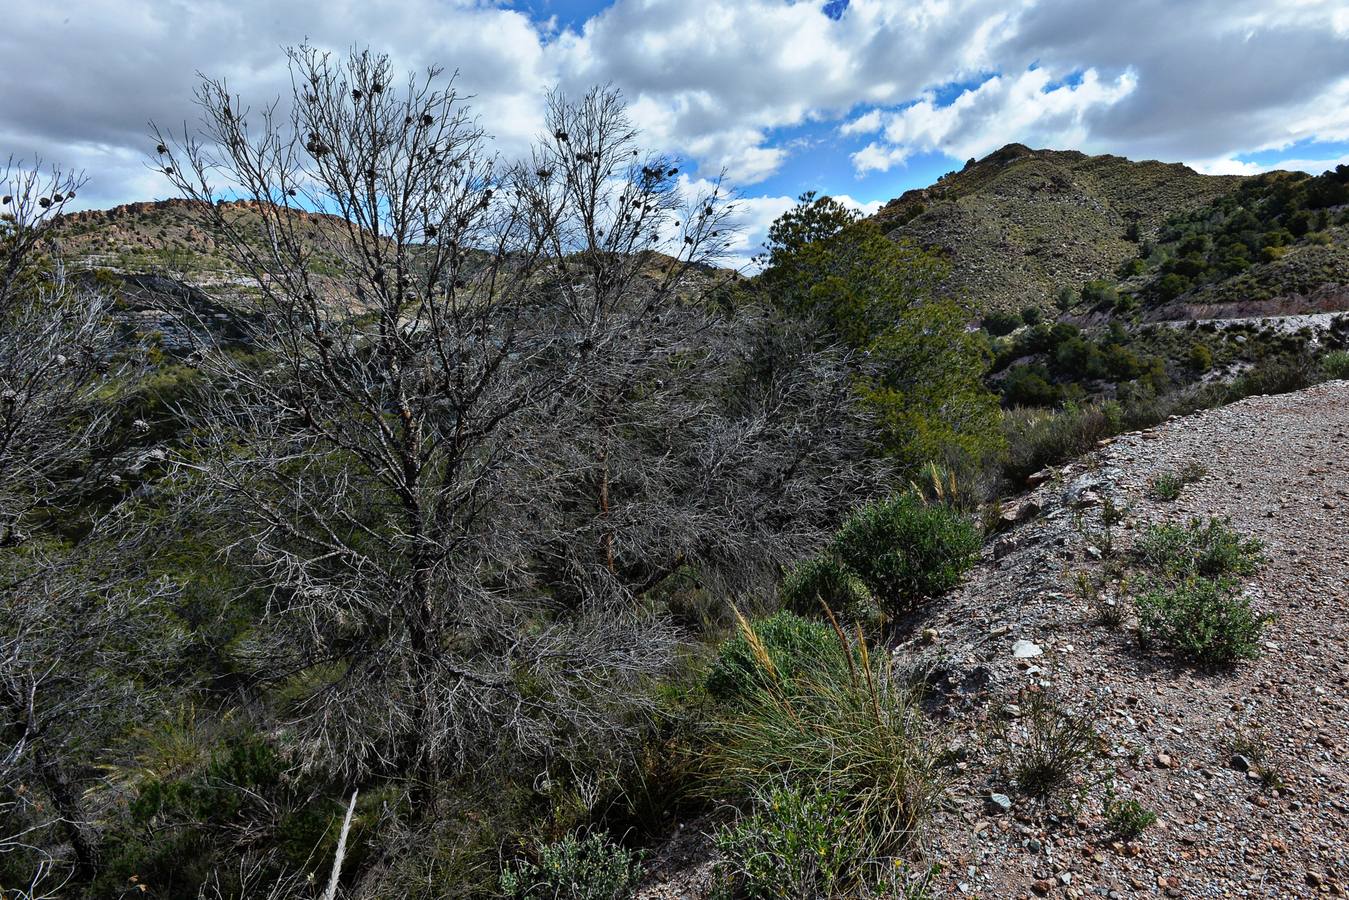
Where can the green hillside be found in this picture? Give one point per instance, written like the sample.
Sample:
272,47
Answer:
1021,224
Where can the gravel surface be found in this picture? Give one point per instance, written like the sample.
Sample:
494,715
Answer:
1278,467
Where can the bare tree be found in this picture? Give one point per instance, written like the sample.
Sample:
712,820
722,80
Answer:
491,404
71,621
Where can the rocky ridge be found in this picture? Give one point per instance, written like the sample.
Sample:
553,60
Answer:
1021,223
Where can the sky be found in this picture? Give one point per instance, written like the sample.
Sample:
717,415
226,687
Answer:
859,99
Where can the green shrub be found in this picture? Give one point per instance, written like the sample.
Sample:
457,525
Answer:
1335,365
776,650
797,843
1127,819
1198,549
1029,385
1036,440
824,580
593,868
1168,485
854,732
1056,751
1204,620
1000,323
1200,358
1280,375
906,551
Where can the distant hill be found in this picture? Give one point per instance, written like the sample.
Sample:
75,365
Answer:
1020,224
1277,244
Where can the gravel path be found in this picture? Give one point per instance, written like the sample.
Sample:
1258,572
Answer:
1279,468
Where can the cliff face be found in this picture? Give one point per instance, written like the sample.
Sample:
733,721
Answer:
1019,224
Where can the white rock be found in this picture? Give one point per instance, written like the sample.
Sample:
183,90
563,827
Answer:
1024,649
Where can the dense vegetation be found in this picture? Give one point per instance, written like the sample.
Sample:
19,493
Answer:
489,529
435,561
1264,220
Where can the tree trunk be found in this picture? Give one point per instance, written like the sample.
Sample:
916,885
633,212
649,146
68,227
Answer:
65,799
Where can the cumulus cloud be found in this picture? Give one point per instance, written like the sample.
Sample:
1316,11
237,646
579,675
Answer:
1029,106
724,84
83,79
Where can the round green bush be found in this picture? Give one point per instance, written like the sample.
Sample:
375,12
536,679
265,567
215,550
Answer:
825,579
907,551
794,646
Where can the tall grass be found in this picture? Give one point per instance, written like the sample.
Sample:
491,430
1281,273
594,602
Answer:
852,731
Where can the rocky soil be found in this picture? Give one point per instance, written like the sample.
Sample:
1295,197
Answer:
1179,740
1247,769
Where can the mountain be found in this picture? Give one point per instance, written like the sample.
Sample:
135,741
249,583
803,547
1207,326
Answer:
1020,224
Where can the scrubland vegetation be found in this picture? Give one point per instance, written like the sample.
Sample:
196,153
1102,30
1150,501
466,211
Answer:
500,530
449,531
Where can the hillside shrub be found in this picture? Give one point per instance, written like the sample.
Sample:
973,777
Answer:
1037,439
1127,819
999,323
798,842
1200,358
1057,751
1198,549
778,650
1335,365
852,732
824,581
1204,620
589,868
1029,385
906,551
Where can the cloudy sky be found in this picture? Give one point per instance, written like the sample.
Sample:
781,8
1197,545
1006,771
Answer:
857,98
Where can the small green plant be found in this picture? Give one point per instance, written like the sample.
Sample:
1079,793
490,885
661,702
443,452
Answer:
1168,485
775,651
1104,608
1206,550
1207,621
589,868
1165,487
825,582
804,843
906,551
1249,749
796,843
1055,752
1126,819
1335,365
1112,516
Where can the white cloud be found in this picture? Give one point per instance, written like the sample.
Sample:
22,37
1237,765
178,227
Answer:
1230,165
1028,107
1199,80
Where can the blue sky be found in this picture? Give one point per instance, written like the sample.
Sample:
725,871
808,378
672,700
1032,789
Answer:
861,99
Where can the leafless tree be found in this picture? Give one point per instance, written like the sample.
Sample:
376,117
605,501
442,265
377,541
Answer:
70,619
491,405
